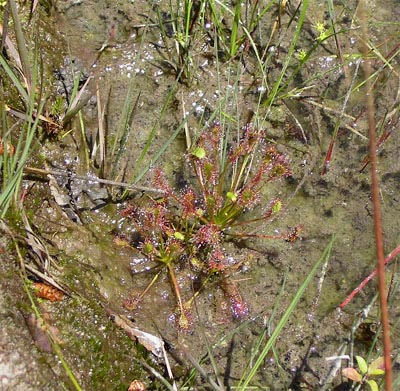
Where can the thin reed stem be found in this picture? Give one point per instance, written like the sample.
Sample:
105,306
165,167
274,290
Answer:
377,210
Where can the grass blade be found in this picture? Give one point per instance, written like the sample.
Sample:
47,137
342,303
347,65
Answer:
325,256
292,48
13,170
22,47
235,29
16,82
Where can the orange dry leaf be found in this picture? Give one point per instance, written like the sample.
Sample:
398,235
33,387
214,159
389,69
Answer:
137,385
48,292
352,374
10,148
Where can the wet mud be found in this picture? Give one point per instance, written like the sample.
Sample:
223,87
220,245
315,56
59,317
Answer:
81,219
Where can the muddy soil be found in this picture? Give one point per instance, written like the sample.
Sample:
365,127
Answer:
120,48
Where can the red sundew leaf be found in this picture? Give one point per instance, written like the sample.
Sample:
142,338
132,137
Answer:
238,306
208,234
161,182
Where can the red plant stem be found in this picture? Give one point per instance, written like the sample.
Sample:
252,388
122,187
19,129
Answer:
328,156
176,287
377,209
368,279
385,135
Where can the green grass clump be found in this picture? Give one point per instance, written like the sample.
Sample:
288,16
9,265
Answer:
17,137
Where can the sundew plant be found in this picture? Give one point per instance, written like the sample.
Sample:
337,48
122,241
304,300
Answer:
188,228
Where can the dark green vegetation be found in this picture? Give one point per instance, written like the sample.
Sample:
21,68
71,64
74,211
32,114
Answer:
188,117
